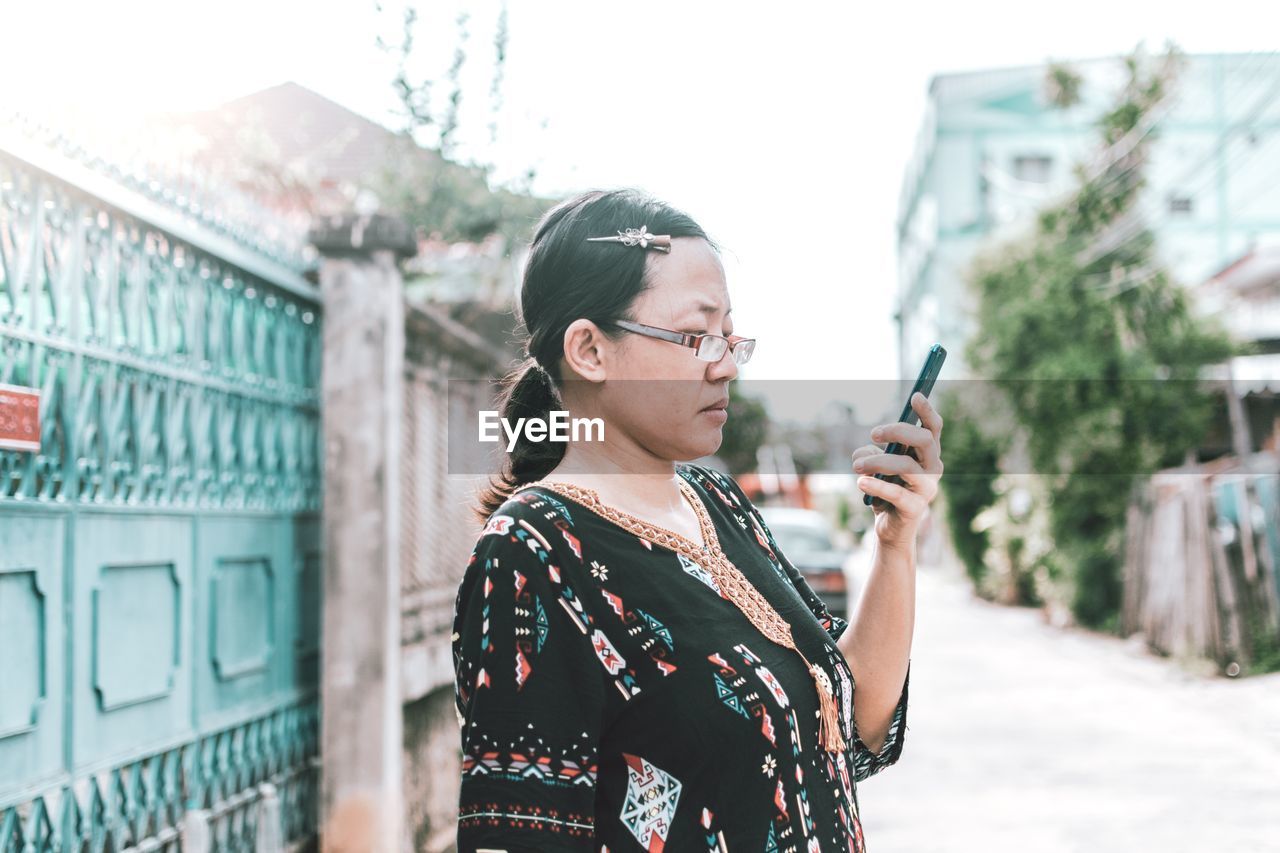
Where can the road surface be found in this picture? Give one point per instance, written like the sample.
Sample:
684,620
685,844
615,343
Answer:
1023,737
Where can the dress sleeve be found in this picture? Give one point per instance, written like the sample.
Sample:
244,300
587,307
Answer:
866,763
528,693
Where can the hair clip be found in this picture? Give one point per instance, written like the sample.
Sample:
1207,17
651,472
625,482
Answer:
638,237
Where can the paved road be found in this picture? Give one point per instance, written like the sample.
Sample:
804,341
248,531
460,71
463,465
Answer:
1026,738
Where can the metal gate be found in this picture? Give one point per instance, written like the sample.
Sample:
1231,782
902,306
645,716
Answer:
159,554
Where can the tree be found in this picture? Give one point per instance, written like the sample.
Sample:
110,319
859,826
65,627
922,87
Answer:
1095,347
454,201
743,432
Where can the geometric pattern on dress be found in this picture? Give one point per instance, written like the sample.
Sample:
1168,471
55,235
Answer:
613,662
521,530
639,622
540,622
659,630
774,686
650,803
802,793
536,500
517,816
525,615
846,696
486,645
728,697
714,837
748,705
528,758
694,570
837,767
863,763
737,510
604,648
751,659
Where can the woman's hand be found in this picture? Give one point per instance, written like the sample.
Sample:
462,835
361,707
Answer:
901,509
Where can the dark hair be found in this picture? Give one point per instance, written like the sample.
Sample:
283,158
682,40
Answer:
567,278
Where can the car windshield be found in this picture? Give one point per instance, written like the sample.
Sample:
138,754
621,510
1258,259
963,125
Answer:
791,538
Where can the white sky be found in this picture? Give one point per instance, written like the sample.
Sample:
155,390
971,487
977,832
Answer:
783,128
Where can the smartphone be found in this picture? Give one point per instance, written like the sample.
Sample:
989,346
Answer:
924,384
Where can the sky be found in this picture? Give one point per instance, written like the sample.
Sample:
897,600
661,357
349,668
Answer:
783,129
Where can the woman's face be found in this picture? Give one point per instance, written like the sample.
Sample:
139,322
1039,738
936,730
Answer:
656,391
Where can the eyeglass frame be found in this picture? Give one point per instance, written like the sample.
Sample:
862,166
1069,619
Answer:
688,340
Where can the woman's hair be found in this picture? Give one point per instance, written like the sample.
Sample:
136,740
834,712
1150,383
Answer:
567,278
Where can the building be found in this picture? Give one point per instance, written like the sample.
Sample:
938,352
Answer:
1245,297
992,149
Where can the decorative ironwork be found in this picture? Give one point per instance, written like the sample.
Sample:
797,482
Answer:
140,805
169,378
189,193
182,380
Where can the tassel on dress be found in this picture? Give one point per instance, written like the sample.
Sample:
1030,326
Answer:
828,722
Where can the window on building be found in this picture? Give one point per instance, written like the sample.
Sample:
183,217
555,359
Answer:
1032,168
1180,204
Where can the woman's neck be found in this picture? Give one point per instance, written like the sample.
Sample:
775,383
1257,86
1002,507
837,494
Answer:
638,483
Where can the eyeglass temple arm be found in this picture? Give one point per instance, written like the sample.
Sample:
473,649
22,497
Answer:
664,334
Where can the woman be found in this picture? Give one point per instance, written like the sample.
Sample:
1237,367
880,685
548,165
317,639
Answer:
638,666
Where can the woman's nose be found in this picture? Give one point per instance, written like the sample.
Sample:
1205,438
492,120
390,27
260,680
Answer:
725,367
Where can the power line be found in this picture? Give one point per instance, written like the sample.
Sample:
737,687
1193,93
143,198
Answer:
1140,222
1260,63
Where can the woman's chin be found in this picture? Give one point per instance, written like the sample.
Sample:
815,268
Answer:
707,441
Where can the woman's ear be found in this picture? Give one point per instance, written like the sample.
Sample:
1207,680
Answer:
586,350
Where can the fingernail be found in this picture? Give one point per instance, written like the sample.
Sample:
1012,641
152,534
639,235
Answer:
859,465
877,433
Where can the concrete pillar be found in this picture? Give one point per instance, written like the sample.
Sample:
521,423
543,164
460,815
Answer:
362,386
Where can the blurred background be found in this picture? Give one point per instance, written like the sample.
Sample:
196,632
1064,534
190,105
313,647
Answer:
256,258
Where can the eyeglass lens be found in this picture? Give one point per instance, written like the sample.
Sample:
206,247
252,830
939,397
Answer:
712,349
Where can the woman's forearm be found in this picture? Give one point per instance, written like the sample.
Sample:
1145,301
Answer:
877,642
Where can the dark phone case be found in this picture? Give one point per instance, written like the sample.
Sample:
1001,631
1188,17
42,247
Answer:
924,385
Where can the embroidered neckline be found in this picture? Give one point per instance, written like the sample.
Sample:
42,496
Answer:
733,584
668,539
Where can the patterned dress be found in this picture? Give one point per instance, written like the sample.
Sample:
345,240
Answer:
611,699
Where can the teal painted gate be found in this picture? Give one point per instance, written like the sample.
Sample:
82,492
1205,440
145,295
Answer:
159,555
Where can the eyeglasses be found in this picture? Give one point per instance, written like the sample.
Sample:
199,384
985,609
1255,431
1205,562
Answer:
706,347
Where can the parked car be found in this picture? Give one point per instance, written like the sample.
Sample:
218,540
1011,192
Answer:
806,539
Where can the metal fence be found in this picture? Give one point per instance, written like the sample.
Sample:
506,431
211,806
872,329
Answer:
159,554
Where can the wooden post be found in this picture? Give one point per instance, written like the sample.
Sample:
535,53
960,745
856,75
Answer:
363,379
1241,442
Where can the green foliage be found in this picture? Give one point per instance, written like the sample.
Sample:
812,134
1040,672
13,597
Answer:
1063,86
441,197
455,202
1264,643
1096,349
972,460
